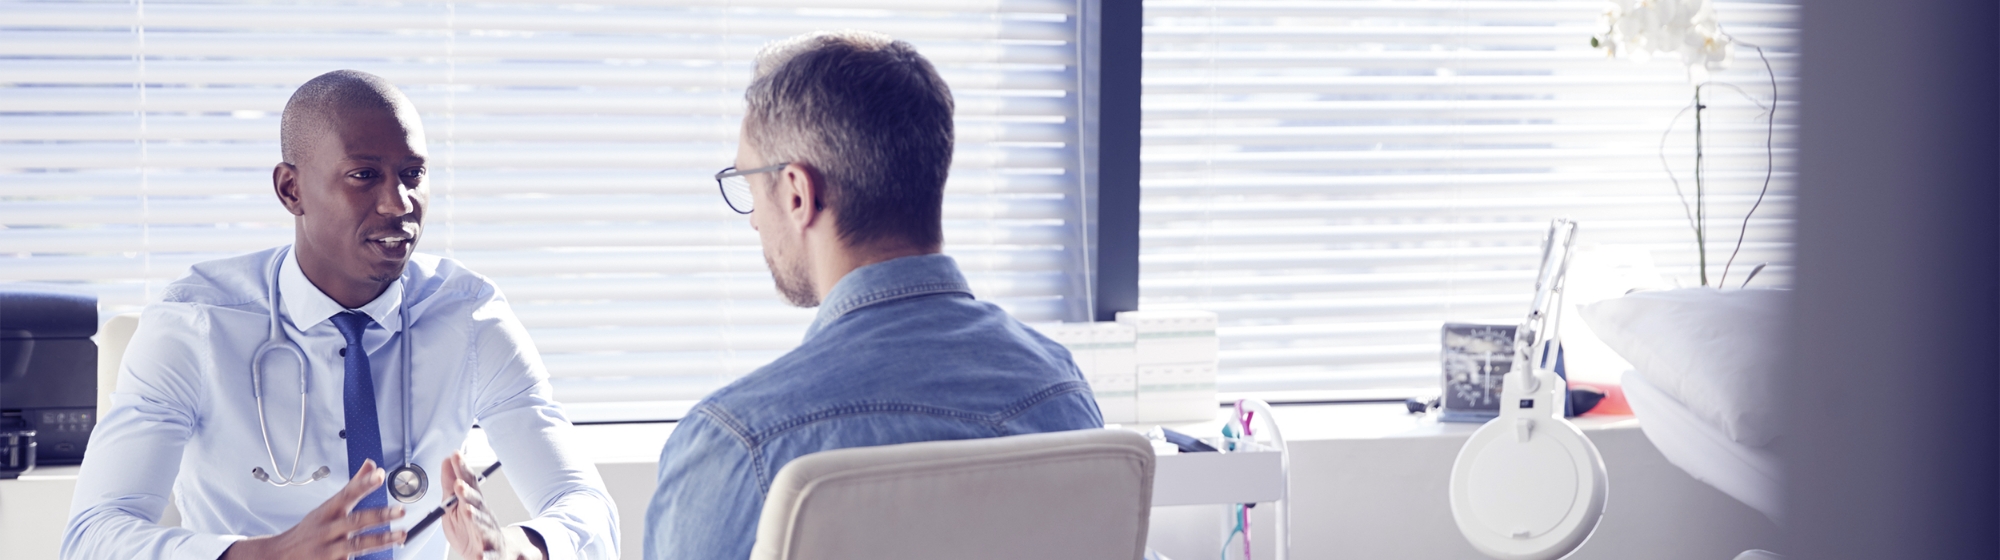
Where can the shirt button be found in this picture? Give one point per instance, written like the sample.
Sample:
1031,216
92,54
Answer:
343,434
343,352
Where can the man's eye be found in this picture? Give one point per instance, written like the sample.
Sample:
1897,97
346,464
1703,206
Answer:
414,173
364,174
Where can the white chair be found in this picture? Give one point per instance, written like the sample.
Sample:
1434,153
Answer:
1082,494
112,338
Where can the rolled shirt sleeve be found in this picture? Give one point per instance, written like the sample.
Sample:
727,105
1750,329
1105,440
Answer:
572,512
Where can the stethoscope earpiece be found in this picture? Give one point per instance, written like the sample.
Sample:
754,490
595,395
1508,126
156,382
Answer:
259,474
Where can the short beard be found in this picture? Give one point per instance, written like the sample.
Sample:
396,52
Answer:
793,283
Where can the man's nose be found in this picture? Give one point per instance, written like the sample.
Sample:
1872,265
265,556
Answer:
398,199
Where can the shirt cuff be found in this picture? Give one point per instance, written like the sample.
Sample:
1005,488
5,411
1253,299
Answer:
206,547
555,536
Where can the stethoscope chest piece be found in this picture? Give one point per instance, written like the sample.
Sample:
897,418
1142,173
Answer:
408,483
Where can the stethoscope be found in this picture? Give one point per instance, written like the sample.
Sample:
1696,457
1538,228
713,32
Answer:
407,483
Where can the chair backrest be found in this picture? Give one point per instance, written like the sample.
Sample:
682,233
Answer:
1082,494
112,338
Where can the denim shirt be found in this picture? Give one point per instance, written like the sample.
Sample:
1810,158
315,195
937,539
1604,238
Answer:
900,352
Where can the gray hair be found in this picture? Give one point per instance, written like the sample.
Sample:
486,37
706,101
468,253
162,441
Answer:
872,116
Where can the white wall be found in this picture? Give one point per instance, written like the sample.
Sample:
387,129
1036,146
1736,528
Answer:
631,486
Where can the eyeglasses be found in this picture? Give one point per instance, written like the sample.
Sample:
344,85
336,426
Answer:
735,185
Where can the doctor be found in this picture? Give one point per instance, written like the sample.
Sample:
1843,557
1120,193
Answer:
269,457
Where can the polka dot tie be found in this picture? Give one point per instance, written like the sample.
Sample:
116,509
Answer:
364,433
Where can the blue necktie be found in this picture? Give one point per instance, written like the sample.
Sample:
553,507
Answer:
364,433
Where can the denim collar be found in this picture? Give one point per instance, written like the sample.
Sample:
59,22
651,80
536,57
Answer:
890,280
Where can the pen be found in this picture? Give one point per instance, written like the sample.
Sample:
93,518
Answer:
448,502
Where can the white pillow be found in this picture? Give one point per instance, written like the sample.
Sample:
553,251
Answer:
1713,350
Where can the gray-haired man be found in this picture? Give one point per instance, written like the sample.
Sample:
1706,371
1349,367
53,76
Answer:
841,168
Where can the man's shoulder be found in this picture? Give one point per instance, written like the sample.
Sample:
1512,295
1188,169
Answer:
434,276
980,369
246,278
224,282
954,334
443,293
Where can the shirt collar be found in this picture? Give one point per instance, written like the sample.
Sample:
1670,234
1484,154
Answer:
307,306
893,279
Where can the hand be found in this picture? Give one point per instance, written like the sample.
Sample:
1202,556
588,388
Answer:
330,531
472,530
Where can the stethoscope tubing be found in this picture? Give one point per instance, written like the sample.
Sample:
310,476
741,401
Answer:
278,341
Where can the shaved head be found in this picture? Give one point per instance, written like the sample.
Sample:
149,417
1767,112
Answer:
316,106
354,180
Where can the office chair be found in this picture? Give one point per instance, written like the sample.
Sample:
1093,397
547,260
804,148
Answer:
1082,494
112,338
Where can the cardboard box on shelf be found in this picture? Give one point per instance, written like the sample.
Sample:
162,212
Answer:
1177,352
1176,392
1104,354
1173,337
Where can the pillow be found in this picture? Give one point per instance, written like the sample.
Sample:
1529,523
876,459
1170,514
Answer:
1713,350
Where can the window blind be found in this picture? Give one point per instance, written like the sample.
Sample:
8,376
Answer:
571,151
1336,179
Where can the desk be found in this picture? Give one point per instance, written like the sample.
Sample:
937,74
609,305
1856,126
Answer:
1368,481
33,510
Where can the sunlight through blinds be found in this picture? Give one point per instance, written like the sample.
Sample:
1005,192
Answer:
1336,179
571,145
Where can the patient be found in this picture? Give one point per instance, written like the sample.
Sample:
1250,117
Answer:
841,167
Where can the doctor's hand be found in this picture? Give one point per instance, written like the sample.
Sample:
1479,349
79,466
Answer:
472,530
330,531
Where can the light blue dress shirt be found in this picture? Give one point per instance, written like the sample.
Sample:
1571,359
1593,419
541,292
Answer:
900,352
184,421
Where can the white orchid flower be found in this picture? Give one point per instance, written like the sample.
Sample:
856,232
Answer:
1636,29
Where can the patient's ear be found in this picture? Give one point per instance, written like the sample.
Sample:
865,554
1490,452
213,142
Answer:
800,195
285,182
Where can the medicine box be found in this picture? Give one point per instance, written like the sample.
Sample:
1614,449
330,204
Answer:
1182,392
1177,353
1104,354
1173,337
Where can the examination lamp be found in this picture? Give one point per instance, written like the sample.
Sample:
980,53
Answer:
1528,485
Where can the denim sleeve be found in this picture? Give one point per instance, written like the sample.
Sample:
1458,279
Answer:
709,496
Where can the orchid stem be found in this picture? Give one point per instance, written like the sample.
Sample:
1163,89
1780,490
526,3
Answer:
1700,202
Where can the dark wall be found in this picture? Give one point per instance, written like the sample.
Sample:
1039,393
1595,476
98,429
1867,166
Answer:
1120,40
1895,447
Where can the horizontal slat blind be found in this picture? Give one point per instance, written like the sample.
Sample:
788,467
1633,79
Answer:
1336,179
571,148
